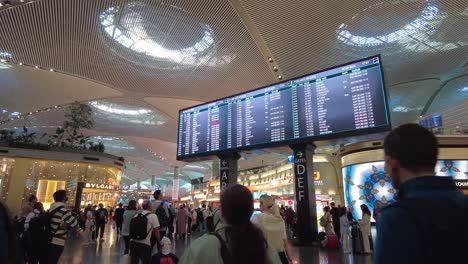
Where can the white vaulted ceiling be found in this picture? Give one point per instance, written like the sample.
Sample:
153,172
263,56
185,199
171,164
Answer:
138,62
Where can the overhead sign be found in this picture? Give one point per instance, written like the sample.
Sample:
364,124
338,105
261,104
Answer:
101,186
300,110
224,174
461,184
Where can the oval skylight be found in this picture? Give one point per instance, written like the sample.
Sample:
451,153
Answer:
162,32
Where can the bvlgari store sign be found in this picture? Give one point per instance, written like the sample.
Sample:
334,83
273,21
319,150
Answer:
99,186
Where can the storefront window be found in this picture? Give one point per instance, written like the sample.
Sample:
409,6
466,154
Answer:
6,166
45,177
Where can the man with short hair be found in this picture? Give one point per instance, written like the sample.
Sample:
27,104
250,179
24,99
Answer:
428,223
101,221
119,212
61,220
141,249
159,208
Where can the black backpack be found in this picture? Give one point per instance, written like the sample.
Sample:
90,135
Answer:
200,216
138,226
162,216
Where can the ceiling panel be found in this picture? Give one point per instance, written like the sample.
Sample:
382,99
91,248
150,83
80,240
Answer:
186,49
21,86
306,36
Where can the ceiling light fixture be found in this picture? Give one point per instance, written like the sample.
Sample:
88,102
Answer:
2,60
280,77
37,67
51,70
270,59
21,64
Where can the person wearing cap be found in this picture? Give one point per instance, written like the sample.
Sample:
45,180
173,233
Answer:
273,227
165,255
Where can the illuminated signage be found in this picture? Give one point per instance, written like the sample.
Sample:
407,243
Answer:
101,186
317,178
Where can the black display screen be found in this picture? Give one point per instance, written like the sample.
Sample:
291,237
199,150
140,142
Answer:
328,104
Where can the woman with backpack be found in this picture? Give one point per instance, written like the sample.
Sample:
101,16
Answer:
238,239
129,213
35,234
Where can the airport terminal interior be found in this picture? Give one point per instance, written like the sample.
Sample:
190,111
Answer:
112,100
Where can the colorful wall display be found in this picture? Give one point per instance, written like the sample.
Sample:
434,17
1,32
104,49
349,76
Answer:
366,183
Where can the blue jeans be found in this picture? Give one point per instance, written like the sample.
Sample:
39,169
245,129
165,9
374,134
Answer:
55,252
201,226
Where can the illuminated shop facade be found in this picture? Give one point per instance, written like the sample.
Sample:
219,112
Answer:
25,172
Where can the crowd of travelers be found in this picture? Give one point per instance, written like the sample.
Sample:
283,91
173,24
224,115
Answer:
408,231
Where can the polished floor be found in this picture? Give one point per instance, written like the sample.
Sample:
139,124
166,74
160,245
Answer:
111,251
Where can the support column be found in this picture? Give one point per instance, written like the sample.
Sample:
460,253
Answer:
153,183
228,170
175,185
138,186
307,229
79,194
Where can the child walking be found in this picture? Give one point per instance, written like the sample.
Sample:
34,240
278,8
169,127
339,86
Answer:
89,227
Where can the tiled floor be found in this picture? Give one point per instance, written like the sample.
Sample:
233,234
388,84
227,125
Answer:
111,251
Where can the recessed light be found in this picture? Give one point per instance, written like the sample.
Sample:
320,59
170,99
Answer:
270,59
37,67
2,60
51,70
280,77
20,63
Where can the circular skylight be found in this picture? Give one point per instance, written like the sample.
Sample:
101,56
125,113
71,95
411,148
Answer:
126,113
371,30
166,34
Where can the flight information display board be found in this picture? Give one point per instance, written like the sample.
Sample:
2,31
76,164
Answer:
344,100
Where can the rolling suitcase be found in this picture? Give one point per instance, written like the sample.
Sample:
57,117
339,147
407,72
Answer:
358,243
333,242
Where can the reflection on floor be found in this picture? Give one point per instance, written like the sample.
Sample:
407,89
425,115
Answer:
111,251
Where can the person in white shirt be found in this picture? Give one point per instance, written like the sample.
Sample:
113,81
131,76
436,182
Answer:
365,226
38,209
141,249
273,227
344,230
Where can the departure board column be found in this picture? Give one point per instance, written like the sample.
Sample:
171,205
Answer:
322,107
214,127
186,134
362,99
249,121
295,111
195,125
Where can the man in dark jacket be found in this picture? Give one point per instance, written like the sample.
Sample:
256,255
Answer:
335,212
428,223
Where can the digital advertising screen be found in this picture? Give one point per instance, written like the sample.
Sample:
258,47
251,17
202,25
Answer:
458,169
366,183
341,101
